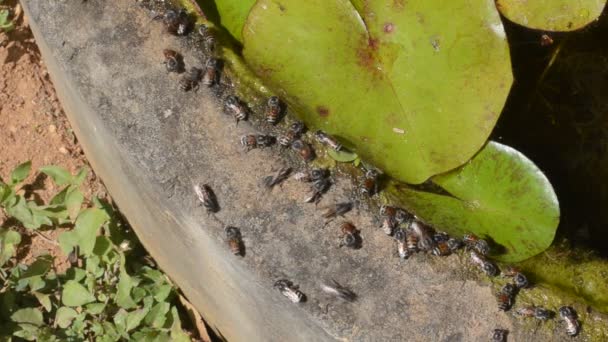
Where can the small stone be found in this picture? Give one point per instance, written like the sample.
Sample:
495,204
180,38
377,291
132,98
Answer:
63,150
52,128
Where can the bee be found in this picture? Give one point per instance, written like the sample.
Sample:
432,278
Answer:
546,40
277,178
273,110
454,244
338,209
251,141
475,243
486,266
190,79
289,290
312,175
319,186
173,61
327,140
207,197
388,225
369,186
350,235
499,335
441,237
235,242
411,241
402,216
177,22
335,289
295,132
520,280
388,211
441,249
402,247
236,108
425,240
211,72
568,314
505,297
208,37
304,150
536,312
509,271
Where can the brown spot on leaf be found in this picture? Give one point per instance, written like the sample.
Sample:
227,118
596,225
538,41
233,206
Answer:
373,43
323,111
399,5
367,54
389,27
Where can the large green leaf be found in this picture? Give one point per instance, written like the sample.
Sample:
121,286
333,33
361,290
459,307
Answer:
75,294
499,194
85,231
28,315
415,88
233,14
9,240
554,15
21,172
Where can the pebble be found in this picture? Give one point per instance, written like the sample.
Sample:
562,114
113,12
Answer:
52,128
63,150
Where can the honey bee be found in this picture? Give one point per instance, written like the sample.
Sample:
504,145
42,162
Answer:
251,141
441,237
235,242
403,217
327,140
546,40
236,108
273,110
425,240
520,280
485,265
369,186
338,209
173,61
509,271
499,335
535,311
388,211
454,244
568,314
190,79
441,249
402,248
295,132
335,289
304,150
177,22
208,37
350,235
211,72
505,297
277,178
411,241
312,175
319,186
388,225
475,243
207,197
289,290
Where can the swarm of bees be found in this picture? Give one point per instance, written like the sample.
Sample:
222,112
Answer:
411,234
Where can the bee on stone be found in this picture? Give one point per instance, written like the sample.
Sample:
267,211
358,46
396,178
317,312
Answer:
273,110
499,335
521,281
441,249
535,312
402,247
403,217
235,241
369,186
472,242
208,37
505,297
277,178
388,225
411,241
173,61
425,238
304,150
485,265
335,289
454,244
190,79
289,290
207,197
251,141
235,107
338,209
177,22
211,72
568,314
294,132
311,175
328,140
319,187
350,235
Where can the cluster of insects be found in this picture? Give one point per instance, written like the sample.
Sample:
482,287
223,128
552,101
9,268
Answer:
410,234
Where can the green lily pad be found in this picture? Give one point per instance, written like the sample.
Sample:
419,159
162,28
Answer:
414,88
554,15
499,194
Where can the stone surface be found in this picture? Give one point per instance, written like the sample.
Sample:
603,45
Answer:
105,60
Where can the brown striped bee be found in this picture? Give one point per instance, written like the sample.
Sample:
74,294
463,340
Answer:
328,140
411,241
388,211
454,244
207,197
295,131
425,239
190,79
369,186
319,186
485,265
211,72
403,217
289,290
536,312
388,225
304,150
520,280
441,249
235,242
208,37
568,314
473,242
401,237
505,297
499,335
173,61
236,108
277,178
273,110
177,22
350,236
338,209
333,288
251,141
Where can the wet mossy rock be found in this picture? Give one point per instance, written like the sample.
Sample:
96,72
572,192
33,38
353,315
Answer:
414,88
499,194
554,15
